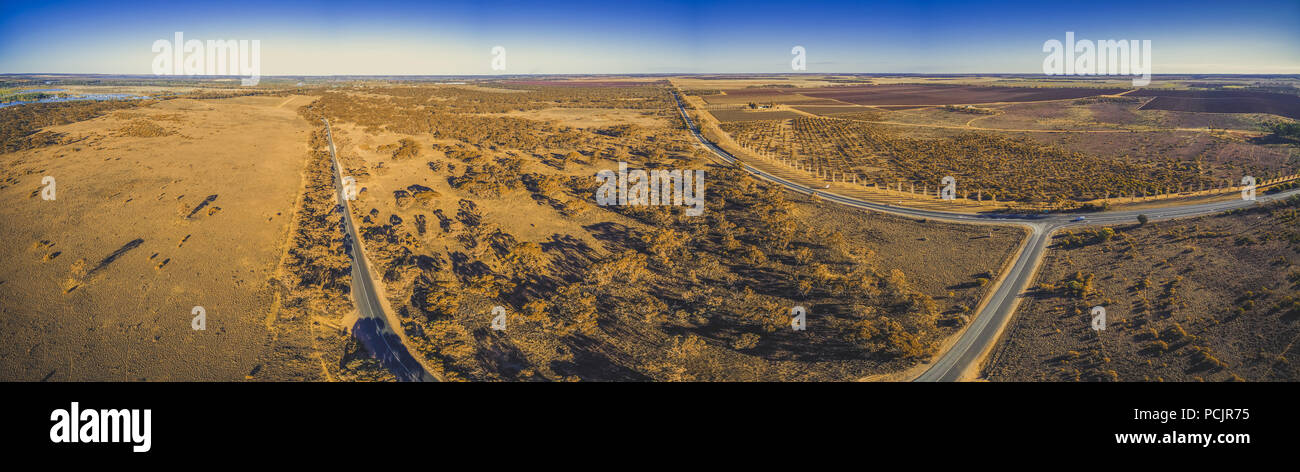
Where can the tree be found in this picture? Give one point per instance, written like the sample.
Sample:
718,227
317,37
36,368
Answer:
628,267
407,148
524,258
803,255
469,216
663,243
491,285
575,308
1284,130
1142,219
442,297
1106,234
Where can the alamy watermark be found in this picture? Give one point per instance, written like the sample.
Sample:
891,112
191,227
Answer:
655,187
75,425
1105,57
948,189
215,57
349,188
1098,318
498,322
200,320
48,190
800,61
498,58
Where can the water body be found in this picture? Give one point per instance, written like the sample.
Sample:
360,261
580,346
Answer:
89,96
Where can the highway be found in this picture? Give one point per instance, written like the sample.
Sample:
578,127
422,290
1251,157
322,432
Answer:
376,327
962,360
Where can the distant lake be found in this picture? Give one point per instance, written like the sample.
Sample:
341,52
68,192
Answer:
89,96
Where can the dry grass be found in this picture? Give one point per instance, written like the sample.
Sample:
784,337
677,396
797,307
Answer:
142,129
1214,298
99,284
612,293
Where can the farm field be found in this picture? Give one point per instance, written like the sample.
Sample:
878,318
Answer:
768,97
582,83
1222,101
950,94
1223,105
996,166
1076,145
903,95
748,115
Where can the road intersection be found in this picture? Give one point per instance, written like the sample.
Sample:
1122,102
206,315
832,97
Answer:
962,360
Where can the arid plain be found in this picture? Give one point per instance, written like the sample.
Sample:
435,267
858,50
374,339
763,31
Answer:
480,195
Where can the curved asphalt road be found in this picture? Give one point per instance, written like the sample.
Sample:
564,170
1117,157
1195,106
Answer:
980,336
374,326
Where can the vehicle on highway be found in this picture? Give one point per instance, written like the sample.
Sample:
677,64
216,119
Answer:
1079,218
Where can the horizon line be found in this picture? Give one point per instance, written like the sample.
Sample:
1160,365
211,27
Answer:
664,74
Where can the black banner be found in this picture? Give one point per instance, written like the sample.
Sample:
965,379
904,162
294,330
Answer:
283,420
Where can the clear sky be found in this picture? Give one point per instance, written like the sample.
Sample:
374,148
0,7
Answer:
434,37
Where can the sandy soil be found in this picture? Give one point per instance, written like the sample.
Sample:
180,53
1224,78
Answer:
159,210
1211,298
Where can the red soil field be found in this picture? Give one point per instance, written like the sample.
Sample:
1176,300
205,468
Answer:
745,92
738,77
926,95
831,110
949,95
727,116
732,98
900,107
582,83
1222,102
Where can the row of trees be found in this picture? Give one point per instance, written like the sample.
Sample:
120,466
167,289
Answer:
1012,168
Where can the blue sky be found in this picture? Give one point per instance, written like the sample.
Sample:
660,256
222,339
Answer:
613,36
